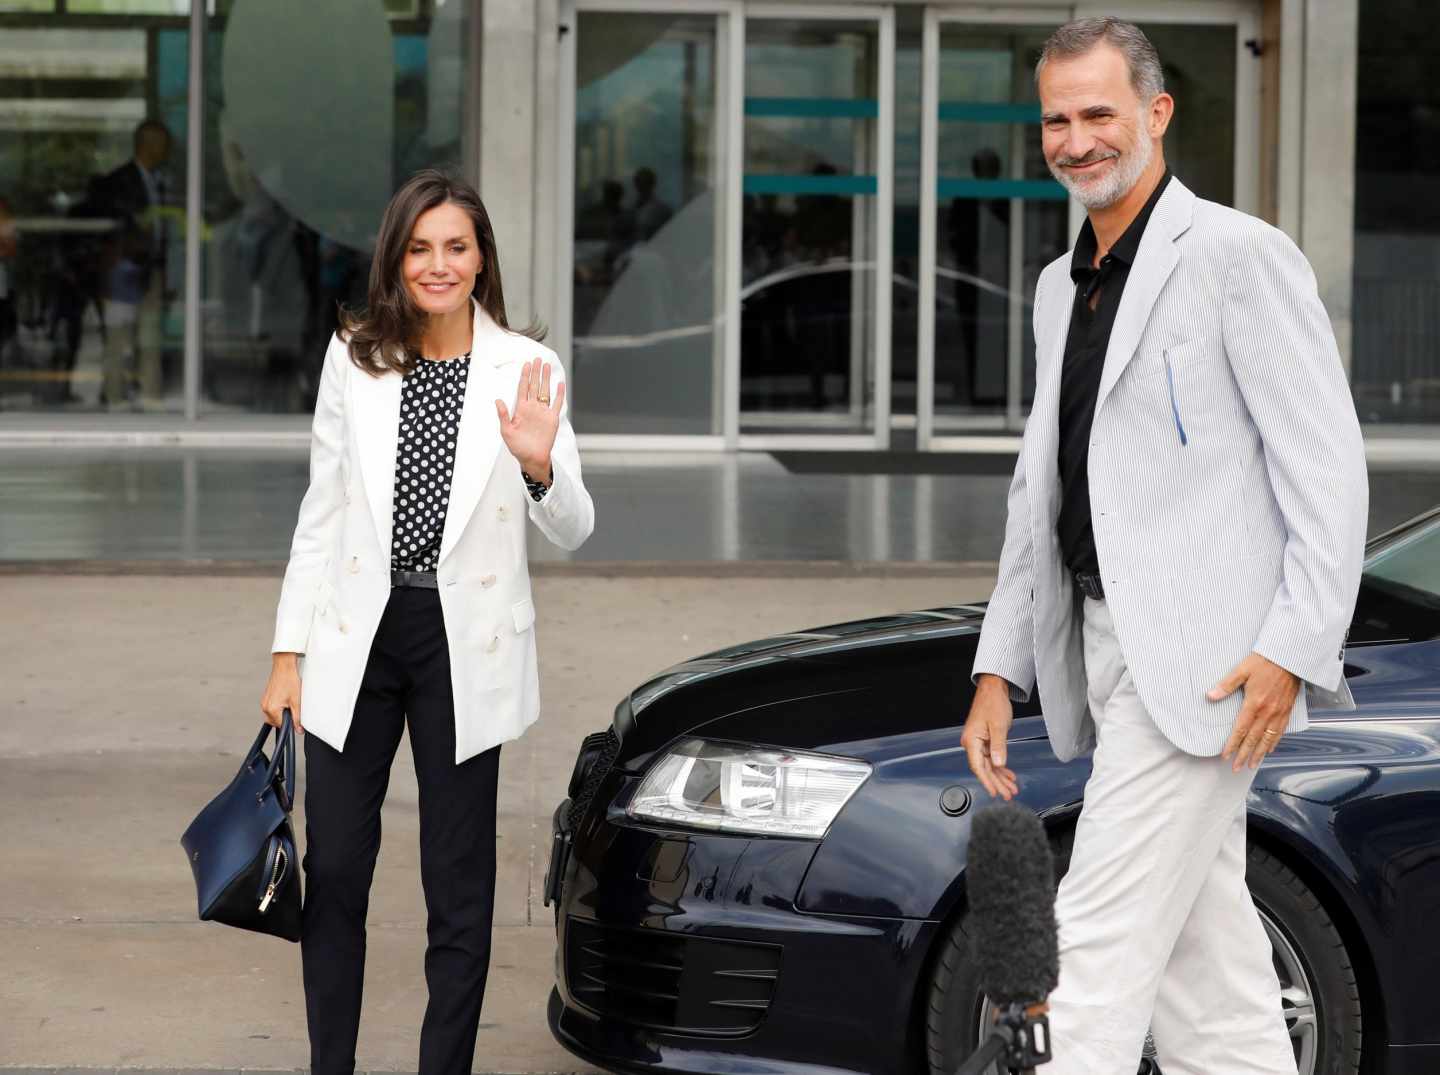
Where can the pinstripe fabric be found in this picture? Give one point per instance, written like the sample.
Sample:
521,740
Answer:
1227,485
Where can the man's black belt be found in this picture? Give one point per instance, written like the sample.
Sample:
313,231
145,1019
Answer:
1090,585
420,580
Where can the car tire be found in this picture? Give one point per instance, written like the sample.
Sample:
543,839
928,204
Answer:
1314,967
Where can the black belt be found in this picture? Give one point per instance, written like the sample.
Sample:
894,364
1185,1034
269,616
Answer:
1090,585
420,580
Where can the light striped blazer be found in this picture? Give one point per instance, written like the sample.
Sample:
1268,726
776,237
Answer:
1227,485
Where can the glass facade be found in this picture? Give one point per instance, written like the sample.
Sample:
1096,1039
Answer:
1000,219
808,236
1396,368
313,114
647,354
92,222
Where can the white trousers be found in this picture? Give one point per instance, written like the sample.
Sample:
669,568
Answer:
1157,928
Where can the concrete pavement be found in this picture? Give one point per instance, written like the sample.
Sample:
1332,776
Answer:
128,701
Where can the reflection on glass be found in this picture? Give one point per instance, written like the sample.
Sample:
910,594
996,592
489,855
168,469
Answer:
808,251
992,180
1200,75
646,353
294,195
92,182
1396,314
128,7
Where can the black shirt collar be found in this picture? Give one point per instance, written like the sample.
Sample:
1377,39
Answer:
1125,248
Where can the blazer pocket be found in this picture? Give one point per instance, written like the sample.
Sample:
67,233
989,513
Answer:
1172,358
524,614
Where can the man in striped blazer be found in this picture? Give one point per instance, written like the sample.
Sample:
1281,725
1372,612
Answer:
1181,560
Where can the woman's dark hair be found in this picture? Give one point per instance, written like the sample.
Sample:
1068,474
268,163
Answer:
386,334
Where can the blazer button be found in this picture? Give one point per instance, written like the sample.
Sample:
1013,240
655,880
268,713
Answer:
502,513
344,628
354,565
487,581
494,644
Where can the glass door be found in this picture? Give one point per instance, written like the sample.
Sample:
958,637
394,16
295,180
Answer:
814,243
991,216
645,236
1212,68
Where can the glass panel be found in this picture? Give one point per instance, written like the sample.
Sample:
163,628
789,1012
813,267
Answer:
128,7
807,358
1396,313
646,356
1199,63
396,9
293,195
92,187
992,176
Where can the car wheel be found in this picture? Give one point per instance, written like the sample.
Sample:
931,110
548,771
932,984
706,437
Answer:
1318,987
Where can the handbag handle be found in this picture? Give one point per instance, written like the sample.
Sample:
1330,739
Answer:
282,762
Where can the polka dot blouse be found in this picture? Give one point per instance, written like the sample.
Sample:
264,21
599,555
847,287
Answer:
430,404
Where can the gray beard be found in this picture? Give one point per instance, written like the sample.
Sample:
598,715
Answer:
1103,193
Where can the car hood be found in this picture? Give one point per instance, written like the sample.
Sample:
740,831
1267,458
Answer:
739,685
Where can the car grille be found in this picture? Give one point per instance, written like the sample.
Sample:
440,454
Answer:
667,981
592,766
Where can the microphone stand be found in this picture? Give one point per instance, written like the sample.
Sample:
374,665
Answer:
1020,1041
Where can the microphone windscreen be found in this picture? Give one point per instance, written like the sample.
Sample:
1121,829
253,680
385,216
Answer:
1010,882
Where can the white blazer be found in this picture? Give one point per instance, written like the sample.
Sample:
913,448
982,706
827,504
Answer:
1228,490
338,579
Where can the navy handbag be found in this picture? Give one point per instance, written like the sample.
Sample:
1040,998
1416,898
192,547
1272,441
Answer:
241,847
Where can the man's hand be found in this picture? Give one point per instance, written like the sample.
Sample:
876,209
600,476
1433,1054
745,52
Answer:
984,737
1269,696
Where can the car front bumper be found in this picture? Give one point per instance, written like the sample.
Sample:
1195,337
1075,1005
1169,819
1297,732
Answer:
684,951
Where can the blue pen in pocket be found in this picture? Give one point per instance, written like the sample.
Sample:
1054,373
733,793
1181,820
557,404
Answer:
1174,407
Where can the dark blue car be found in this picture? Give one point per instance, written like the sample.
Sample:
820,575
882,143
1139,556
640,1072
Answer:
761,864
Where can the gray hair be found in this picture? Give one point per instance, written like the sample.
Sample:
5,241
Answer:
1080,36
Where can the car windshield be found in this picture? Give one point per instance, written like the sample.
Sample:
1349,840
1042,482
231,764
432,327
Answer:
1400,589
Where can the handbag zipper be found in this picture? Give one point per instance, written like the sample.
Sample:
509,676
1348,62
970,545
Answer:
275,870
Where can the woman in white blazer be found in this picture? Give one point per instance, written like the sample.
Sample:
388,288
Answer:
407,601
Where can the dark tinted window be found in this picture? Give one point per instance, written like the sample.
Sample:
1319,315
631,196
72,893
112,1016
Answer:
1400,590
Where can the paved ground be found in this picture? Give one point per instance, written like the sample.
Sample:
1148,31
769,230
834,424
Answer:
128,701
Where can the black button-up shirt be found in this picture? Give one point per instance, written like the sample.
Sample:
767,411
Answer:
1085,347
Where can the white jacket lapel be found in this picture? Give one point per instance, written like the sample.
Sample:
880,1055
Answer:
1153,265
478,441
1042,470
377,432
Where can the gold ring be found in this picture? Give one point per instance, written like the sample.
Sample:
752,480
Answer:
544,399
1269,733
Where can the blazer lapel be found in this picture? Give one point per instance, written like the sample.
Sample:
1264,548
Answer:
478,442
1153,266
1042,465
377,434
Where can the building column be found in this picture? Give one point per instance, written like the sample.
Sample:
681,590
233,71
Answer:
1316,180
509,85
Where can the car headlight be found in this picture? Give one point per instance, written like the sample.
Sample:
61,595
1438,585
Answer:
736,788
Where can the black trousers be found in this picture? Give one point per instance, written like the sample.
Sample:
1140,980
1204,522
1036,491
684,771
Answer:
407,678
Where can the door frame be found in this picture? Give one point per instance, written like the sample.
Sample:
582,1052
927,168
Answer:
1244,15
731,16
